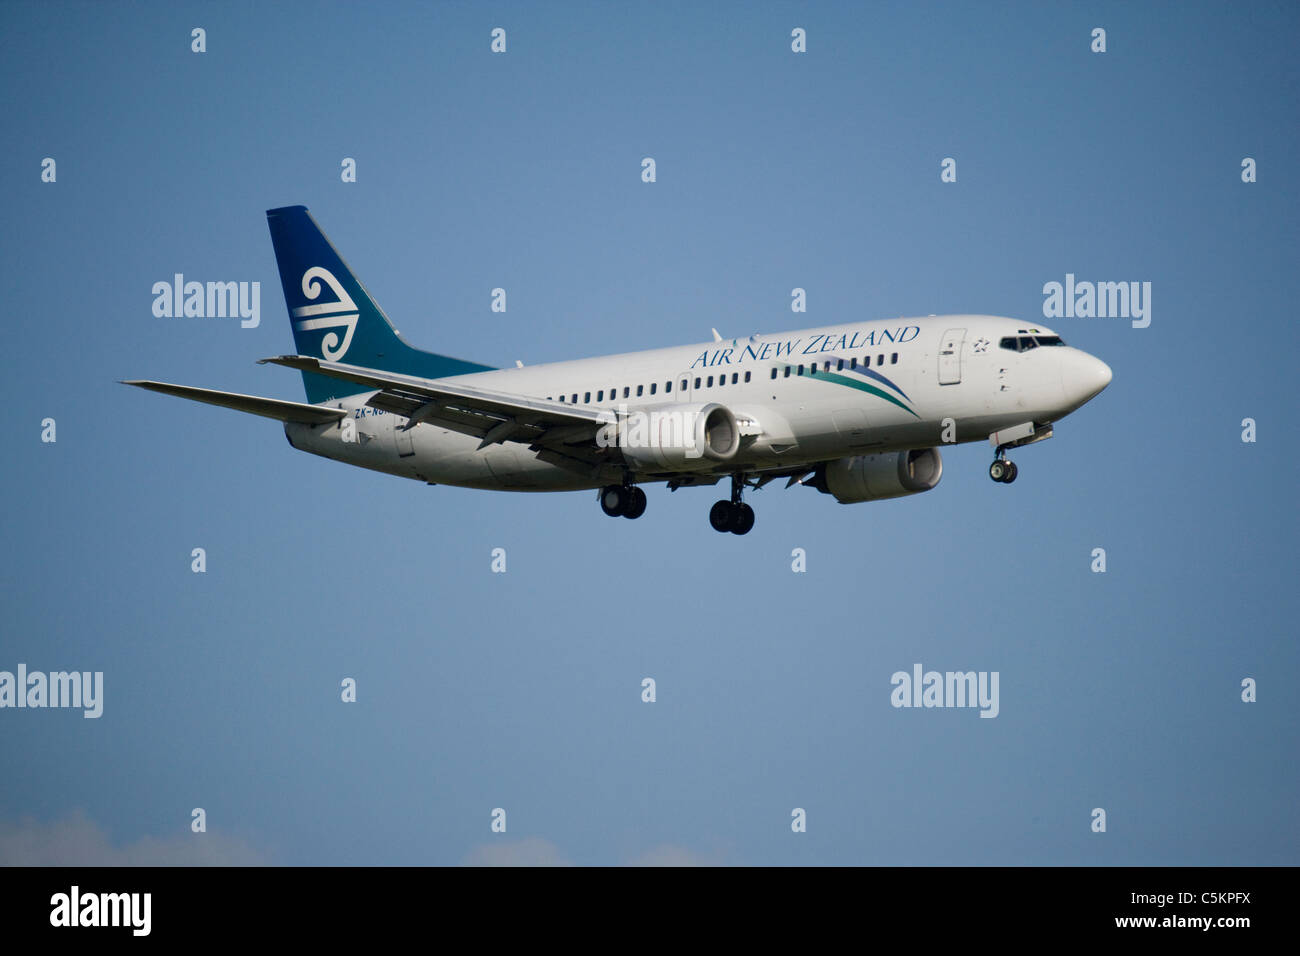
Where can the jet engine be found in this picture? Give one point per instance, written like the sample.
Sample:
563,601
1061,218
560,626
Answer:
875,477
678,437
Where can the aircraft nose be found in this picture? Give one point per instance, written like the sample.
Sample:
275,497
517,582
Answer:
1084,376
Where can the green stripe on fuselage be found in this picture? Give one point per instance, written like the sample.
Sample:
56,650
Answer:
864,387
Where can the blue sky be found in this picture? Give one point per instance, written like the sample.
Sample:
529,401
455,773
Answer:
522,690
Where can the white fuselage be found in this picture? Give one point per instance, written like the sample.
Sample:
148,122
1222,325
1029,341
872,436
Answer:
879,386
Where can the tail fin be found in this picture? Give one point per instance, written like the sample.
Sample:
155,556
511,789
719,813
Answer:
347,325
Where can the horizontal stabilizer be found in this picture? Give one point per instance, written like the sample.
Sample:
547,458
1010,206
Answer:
266,407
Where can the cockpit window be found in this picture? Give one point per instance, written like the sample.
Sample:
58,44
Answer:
1023,343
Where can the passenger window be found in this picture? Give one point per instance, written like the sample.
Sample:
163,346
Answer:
600,396
710,385
653,386
853,362
747,376
575,398
839,365
893,359
722,380
640,390
586,398
787,371
800,369
697,382
773,371
880,360
668,387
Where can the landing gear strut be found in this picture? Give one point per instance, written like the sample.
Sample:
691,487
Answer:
627,501
1003,470
734,515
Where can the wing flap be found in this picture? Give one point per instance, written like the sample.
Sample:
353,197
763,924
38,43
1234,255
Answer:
445,391
490,416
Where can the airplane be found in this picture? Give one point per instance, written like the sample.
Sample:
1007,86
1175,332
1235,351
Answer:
855,410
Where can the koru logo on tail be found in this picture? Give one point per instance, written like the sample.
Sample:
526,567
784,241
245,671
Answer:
327,315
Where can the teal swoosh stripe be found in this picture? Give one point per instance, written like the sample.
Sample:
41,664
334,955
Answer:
864,387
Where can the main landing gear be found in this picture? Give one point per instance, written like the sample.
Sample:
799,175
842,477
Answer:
1003,470
734,515
627,501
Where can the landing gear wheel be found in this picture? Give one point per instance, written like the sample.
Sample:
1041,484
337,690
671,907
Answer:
1011,475
998,471
742,519
635,506
721,515
614,500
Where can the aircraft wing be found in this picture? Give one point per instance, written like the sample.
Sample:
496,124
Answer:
266,407
560,433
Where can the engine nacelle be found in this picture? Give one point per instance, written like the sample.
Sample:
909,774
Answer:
677,437
876,477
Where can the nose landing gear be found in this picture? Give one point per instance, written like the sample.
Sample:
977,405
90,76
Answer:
1003,470
1026,433
734,515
